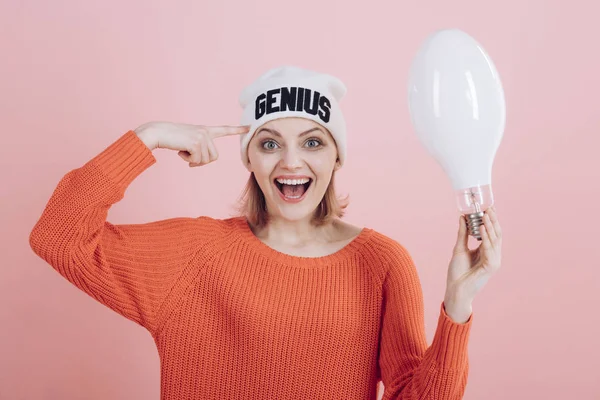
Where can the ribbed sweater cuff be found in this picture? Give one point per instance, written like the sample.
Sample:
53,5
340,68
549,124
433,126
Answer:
450,343
125,159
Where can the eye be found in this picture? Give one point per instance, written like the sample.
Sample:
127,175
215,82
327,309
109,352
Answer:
269,145
313,142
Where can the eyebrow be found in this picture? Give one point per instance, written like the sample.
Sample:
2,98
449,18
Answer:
276,133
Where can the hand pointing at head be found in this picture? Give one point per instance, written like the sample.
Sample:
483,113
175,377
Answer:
194,143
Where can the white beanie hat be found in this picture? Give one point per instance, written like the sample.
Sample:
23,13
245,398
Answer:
290,91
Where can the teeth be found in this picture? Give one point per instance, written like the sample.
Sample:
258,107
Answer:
293,181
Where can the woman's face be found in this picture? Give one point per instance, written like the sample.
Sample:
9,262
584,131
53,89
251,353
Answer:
293,160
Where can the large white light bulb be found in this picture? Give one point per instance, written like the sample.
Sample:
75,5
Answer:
457,108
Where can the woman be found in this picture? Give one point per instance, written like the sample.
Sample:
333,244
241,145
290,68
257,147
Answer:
286,301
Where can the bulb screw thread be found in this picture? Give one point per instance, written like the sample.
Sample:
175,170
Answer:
474,221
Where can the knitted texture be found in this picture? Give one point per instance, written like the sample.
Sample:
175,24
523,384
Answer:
232,317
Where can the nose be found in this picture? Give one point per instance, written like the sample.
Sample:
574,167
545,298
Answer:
291,159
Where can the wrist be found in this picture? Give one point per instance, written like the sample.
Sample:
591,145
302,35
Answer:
145,135
458,308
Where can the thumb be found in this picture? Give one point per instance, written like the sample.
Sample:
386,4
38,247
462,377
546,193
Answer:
185,155
462,238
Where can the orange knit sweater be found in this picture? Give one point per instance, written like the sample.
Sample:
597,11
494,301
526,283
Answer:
233,318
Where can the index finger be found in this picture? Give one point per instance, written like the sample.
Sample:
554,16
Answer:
225,130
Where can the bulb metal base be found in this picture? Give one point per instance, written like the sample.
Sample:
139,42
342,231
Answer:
474,221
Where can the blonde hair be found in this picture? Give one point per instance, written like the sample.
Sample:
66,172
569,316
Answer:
253,206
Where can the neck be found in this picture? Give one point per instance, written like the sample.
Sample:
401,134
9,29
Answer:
294,233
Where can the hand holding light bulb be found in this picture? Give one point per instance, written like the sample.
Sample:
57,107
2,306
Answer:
470,269
457,108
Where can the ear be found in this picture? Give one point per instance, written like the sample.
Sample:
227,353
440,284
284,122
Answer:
249,166
337,165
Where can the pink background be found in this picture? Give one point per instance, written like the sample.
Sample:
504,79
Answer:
74,76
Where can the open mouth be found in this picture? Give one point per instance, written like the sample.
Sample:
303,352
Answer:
293,189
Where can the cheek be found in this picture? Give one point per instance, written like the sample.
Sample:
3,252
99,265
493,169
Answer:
262,164
322,166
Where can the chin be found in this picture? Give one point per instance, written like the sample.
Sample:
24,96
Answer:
296,210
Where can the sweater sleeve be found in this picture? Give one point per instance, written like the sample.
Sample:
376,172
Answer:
411,370
129,268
